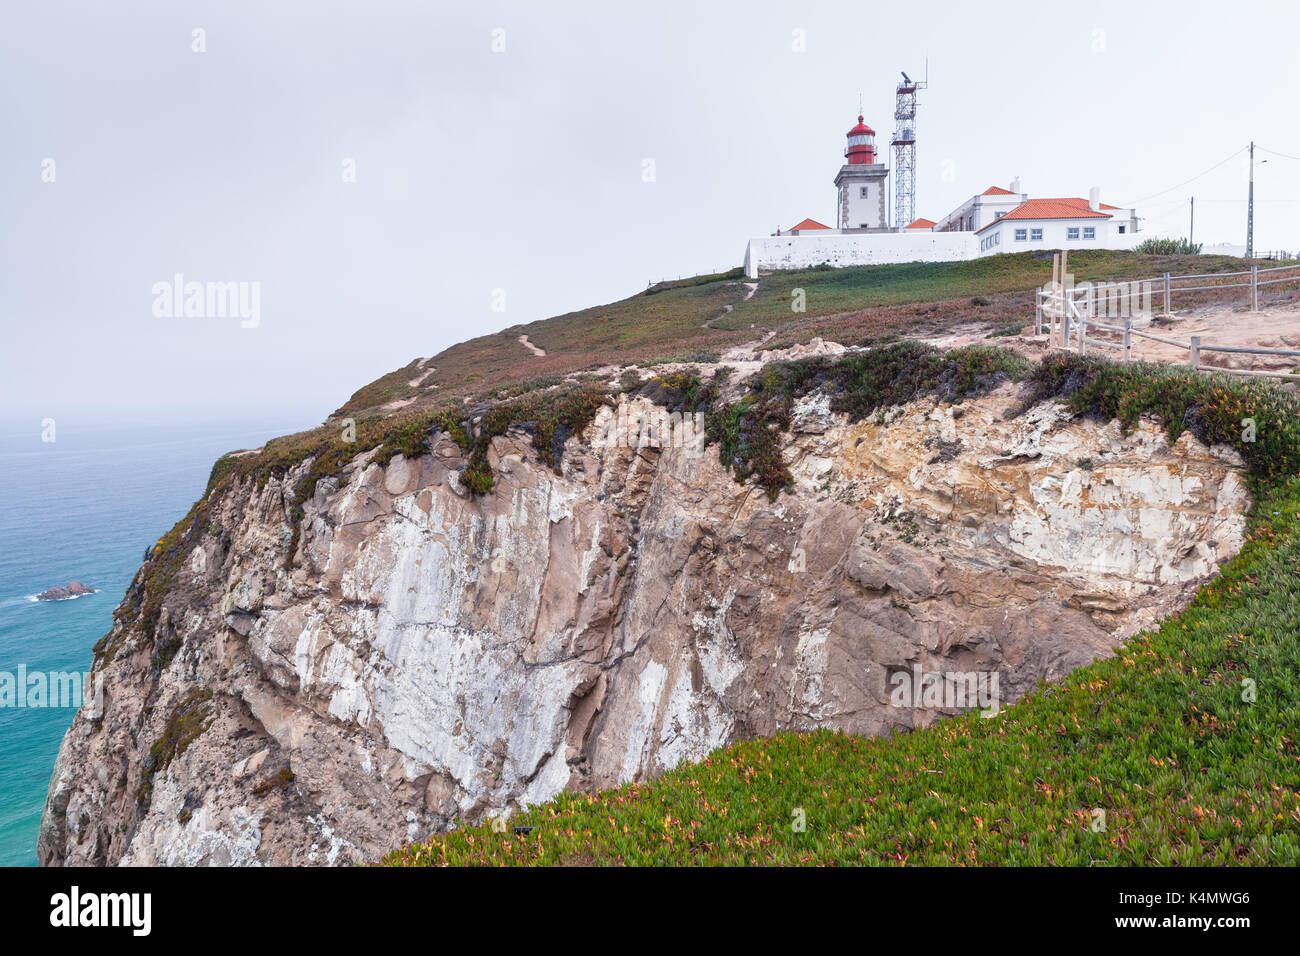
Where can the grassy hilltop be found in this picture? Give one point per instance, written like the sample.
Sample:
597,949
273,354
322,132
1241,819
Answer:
668,320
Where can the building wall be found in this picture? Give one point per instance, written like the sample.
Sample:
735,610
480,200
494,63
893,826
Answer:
977,212
1001,238
955,221
987,209
1225,249
853,209
863,249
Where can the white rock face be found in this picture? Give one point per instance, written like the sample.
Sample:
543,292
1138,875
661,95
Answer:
438,657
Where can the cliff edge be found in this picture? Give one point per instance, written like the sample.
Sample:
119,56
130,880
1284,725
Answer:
340,661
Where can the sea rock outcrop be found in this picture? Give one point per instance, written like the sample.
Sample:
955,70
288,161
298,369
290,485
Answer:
71,590
436,656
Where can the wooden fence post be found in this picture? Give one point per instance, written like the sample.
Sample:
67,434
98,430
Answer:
1167,294
1128,338
1038,312
1195,358
1065,280
1254,288
1083,332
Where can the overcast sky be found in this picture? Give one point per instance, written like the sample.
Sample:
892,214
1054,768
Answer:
522,169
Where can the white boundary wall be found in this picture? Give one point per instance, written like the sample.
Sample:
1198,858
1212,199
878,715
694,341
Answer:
865,249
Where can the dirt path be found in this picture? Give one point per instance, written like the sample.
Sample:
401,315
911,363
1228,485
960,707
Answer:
746,351
425,370
752,287
536,350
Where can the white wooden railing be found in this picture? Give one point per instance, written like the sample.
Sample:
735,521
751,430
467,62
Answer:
1067,312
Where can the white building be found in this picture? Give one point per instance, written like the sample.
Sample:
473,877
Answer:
1068,223
995,221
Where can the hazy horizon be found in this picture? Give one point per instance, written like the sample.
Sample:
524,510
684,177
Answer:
521,168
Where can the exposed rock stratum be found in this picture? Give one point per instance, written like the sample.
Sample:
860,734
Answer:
436,657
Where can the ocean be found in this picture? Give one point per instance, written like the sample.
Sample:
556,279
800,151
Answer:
81,508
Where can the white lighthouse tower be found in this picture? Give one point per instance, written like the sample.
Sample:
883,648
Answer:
860,184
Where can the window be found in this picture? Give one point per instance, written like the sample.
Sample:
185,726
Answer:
863,193
864,225
1036,235
1022,235
1089,232
998,215
1121,230
1072,232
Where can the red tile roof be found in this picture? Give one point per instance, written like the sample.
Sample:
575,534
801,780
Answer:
809,224
921,224
997,191
1083,203
1069,208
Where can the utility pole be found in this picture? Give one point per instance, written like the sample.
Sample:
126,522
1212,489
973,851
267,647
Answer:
1250,207
1191,226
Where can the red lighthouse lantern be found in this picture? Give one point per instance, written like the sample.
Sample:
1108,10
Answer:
862,145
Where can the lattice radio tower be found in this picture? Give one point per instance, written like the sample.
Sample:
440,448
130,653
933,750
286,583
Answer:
904,143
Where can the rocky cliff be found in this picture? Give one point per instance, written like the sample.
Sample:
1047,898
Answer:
426,655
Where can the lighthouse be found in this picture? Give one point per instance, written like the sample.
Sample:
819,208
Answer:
860,184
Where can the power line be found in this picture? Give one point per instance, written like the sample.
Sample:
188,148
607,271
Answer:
1184,183
1149,222
1181,201
1162,217
1274,152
